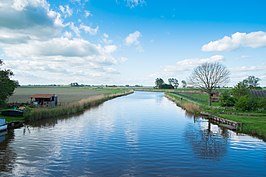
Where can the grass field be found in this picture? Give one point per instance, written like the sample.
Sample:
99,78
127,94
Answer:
253,125
65,94
71,99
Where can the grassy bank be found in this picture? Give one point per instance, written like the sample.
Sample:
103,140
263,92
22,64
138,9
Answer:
73,108
184,103
72,100
252,123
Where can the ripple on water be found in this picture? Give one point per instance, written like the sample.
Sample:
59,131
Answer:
143,134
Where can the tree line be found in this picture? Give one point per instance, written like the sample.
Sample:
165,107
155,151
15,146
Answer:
172,83
210,76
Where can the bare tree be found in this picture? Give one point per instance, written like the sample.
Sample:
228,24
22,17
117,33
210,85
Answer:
209,76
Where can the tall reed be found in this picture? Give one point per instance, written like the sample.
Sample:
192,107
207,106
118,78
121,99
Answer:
70,109
189,106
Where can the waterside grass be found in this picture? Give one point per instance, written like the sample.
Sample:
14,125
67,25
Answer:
188,105
253,124
72,108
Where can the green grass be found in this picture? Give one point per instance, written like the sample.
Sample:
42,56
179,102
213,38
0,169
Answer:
184,103
72,108
65,94
252,125
72,100
11,119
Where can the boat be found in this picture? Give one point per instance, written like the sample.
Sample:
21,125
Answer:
13,113
3,136
3,124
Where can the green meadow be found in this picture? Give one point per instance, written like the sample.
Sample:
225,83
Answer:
72,100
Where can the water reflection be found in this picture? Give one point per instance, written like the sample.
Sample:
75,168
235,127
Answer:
142,134
7,153
51,122
206,139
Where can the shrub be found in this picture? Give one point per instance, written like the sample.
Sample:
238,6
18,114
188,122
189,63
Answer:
262,103
227,99
246,103
166,86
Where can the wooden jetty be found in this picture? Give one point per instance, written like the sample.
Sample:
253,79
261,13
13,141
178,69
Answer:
232,125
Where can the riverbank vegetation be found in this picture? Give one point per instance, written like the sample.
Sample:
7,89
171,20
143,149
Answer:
244,103
252,122
71,100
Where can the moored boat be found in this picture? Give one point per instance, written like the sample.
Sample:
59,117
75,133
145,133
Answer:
13,113
3,124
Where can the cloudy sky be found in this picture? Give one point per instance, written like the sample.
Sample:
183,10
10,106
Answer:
130,41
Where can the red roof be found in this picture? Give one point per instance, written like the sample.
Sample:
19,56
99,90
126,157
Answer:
42,95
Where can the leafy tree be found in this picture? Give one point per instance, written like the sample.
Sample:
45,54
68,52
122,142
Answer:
74,84
252,82
166,86
173,82
246,103
227,99
209,76
262,103
184,83
241,89
159,82
6,84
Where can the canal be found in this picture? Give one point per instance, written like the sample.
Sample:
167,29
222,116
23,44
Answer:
142,134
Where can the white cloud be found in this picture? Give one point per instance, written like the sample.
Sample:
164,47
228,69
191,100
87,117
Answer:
189,64
87,13
66,10
88,29
181,69
242,72
110,48
135,3
74,28
21,21
133,39
106,39
40,49
54,47
68,34
237,40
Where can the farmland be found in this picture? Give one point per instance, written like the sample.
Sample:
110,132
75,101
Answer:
72,100
65,94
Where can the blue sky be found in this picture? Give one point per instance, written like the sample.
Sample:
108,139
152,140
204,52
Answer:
130,41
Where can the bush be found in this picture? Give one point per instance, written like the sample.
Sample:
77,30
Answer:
166,86
226,99
262,103
246,103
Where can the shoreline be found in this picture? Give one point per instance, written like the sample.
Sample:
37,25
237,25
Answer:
246,126
72,108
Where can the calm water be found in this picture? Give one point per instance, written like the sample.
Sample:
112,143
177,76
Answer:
142,134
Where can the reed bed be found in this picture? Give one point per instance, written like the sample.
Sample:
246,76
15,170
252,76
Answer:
189,106
71,108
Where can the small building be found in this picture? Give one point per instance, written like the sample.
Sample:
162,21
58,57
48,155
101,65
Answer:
44,100
215,96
